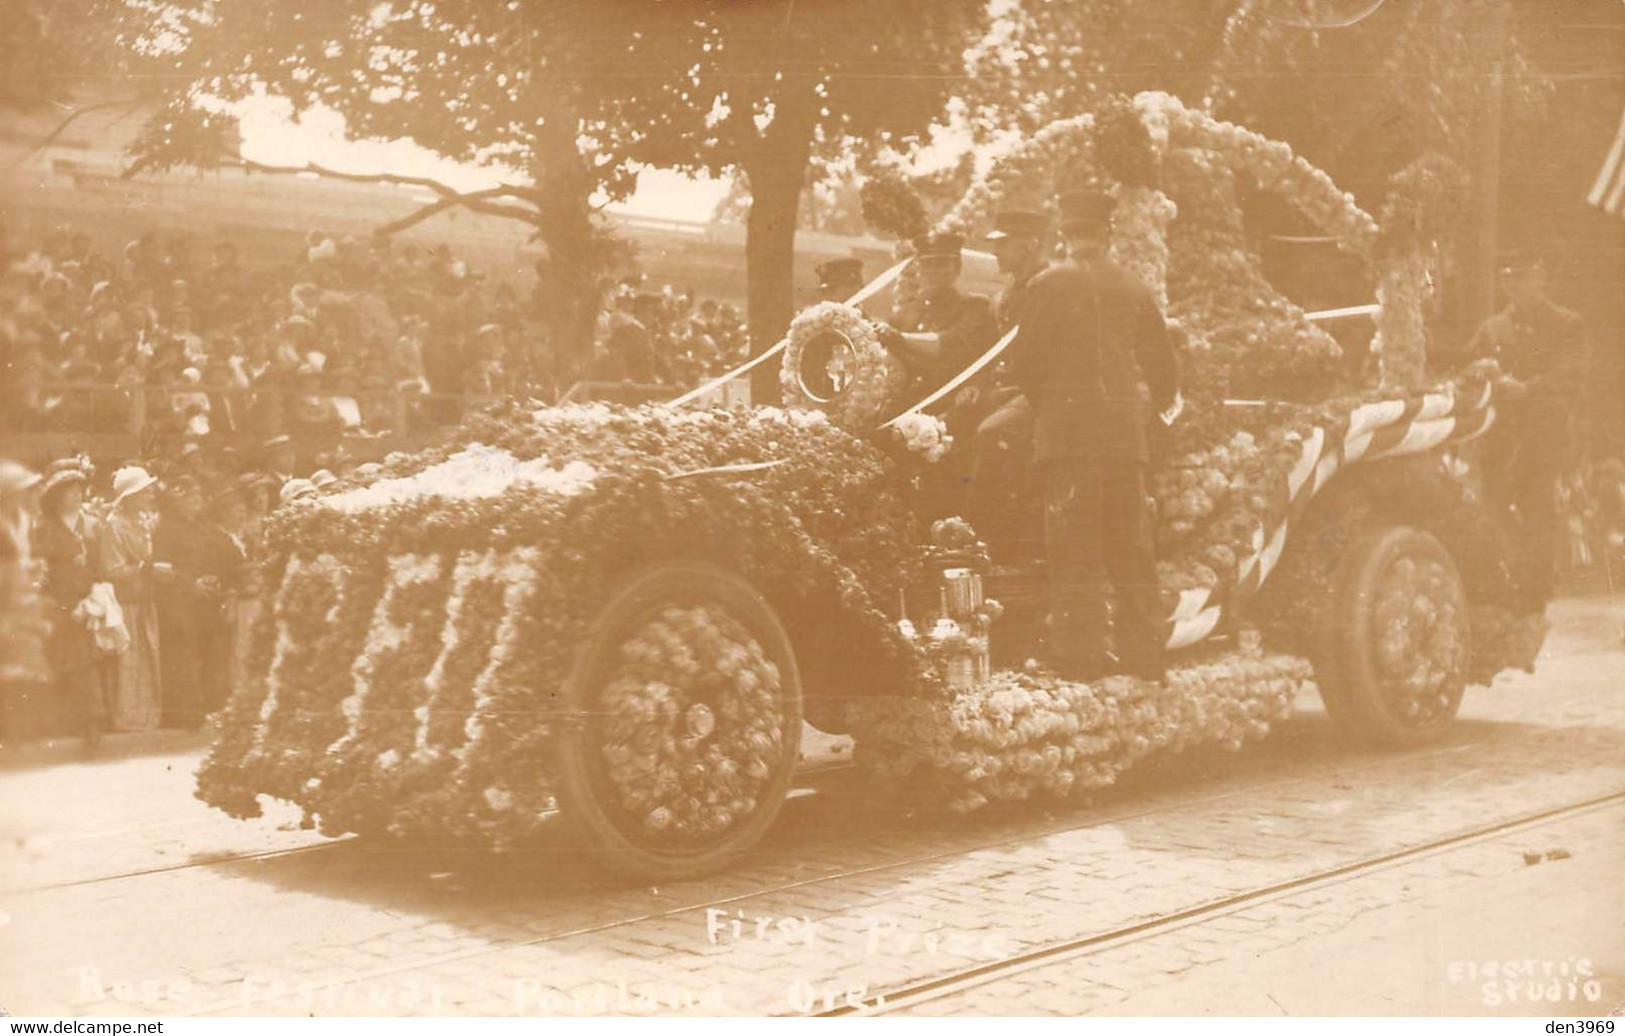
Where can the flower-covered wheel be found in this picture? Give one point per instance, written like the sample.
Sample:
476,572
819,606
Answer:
1395,647
688,723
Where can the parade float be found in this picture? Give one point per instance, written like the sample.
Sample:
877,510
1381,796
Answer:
629,616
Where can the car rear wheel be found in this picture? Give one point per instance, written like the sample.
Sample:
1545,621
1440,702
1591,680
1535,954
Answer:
1394,645
687,706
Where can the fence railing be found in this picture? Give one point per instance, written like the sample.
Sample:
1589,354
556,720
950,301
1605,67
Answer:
112,408
125,420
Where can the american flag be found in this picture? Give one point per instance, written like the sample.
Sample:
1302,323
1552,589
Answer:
1608,193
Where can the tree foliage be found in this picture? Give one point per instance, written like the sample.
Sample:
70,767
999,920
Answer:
1381,86
44,50
1052,59
575,95
765,88
1362,88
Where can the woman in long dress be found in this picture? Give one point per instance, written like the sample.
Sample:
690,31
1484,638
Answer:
124,555
85,681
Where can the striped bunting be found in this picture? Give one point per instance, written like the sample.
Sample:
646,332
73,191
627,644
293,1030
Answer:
1608,192
1391,428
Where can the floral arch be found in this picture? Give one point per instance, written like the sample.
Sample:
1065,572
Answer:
1244,335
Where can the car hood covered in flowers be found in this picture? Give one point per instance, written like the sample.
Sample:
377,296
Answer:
405,671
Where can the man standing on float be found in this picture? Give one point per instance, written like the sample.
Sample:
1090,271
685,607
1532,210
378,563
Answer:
991,413
1089,334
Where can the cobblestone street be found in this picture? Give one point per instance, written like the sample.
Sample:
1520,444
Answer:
123,895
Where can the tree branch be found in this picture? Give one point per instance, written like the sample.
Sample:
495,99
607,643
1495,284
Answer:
473,202
503,191
62,126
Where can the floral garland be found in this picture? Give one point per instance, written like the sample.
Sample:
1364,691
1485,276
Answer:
1399,345
1422,208
877,377
1139,240
1028,732
1060,144
1244,337
402,677
1247,339
1271,165
1231,478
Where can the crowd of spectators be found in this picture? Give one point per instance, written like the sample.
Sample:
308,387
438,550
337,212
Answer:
346,335
126,597
320,342
665,338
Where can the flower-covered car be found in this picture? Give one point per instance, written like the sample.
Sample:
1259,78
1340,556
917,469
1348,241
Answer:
628,616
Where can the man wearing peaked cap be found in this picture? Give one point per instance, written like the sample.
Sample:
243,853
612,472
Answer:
1019,237
839,279
992,410
1090,334
1084,211
1534,440
1025,223
946,328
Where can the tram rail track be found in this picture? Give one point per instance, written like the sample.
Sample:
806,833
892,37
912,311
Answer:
1074,812
1338,771
904,997
1113,816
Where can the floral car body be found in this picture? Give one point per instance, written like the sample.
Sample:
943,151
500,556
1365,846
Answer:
625,614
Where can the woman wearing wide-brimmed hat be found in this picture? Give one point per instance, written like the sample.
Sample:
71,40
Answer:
124,555
86,681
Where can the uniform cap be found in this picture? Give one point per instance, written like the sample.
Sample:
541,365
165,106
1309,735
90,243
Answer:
832,270
1018,223
1085,208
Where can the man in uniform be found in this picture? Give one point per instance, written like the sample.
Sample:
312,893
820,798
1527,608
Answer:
839,279
1089,334
991,413
1547,349
948,328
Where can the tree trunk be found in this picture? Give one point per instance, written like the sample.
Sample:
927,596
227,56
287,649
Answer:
569,289
776,170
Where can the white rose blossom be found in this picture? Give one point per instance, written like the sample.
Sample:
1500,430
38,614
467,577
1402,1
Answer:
476,472
925,435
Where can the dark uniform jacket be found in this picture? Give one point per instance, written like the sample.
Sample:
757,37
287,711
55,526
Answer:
966,325
1089,335
1007,314
1545,346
